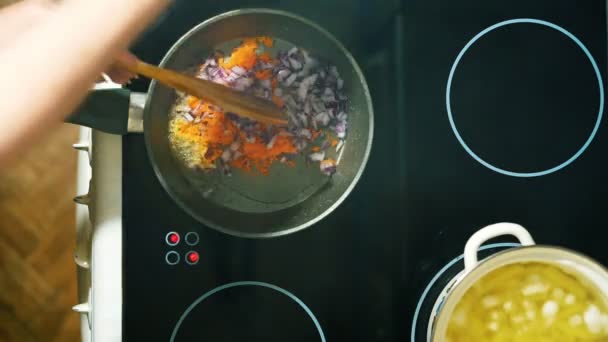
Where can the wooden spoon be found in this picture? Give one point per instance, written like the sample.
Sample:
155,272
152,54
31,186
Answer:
229,99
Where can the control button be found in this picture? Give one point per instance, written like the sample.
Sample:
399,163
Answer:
81,261
192,258
172,238
81,147
82,199
85,308
172,257
191,238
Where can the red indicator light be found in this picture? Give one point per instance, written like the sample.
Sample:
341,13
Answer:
172,238
192,257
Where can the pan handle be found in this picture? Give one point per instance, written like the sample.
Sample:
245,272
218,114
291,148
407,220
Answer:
112,109
490,232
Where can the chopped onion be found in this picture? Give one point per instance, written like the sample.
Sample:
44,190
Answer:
266,84
312,95
323,118
242,83
317,156
188,117
239,70
340,129
290,80
305,85
295,64
292,51
226,155
304,132
282,74
328,167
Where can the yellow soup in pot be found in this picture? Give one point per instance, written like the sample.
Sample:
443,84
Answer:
529,302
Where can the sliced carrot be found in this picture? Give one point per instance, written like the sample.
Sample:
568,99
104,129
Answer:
193,102
334,143
244,56
265,57
263,74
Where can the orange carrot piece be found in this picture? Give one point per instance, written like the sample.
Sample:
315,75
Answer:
267,41
263,74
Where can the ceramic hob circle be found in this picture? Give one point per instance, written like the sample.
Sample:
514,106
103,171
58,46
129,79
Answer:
249,310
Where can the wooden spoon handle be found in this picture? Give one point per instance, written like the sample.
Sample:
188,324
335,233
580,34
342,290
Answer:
229,99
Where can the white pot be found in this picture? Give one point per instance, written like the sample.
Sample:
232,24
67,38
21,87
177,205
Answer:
584,268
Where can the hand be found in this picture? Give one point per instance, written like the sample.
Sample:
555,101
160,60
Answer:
21,16
52,53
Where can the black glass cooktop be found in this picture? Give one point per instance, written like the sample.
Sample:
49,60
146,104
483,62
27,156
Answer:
521,142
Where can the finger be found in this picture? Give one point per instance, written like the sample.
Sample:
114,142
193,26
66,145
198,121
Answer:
119,74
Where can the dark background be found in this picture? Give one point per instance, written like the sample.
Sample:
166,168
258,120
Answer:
524,99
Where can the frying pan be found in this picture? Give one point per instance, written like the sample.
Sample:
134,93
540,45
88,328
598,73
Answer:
245,205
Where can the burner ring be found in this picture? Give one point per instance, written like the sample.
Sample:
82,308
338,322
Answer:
248,283
597,74
438,276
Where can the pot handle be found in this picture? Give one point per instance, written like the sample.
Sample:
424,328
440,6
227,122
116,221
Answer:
106,109
490,232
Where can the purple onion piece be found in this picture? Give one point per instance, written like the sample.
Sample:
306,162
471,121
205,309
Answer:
282,74
340,83
289,100
292,51
318,106
290,80
304,132
317,156
226,155
271,142
295,64
266,84
239,70
328,167
334,71
304,119
331,112
242,83
323,118
305,85
307,107
340,129
301,144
